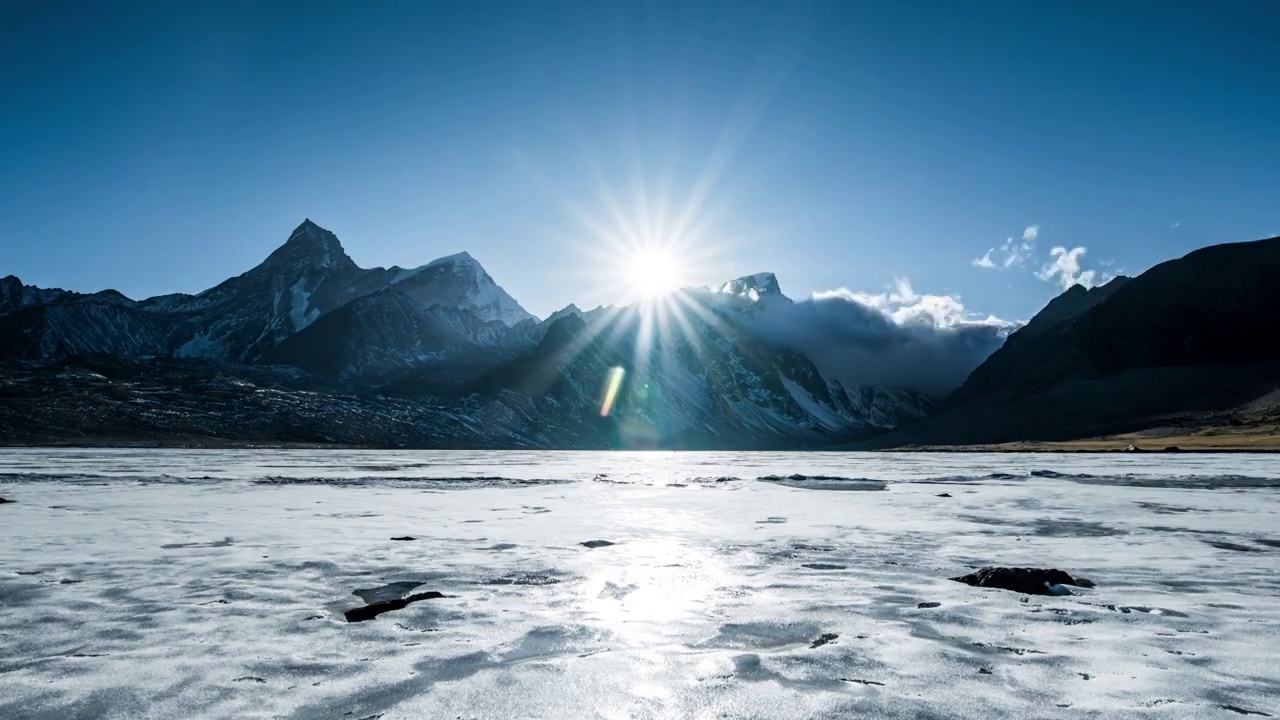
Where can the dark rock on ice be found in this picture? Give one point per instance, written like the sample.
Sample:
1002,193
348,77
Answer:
405,538
390,591
371,611
1006,648
3,501
860,681
1224,545
593,544
1032,581
523,579
926,605
944,494
822,566
823,639
1243,711
249,678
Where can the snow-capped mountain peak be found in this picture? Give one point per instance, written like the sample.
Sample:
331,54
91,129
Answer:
459,281
754,287
461,260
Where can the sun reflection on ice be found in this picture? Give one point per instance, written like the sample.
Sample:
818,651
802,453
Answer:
643,590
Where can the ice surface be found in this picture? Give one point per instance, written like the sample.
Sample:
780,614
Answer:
212,584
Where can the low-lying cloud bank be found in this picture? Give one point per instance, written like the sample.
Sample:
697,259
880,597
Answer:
897,338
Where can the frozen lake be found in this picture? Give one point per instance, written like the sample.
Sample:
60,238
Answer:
213,584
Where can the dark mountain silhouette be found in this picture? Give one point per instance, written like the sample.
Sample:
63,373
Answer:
1189,336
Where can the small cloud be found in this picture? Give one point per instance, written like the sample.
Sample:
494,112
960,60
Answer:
1011,254
1176,224
1064,268
985,262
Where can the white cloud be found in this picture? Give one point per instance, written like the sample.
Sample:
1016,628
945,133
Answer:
902,305
1064,268
1012,253
895,338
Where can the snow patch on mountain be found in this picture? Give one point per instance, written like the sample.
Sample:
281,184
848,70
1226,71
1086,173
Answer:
200,346
298,311
459,281
827,417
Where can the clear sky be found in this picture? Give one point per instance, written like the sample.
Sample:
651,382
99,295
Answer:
161,147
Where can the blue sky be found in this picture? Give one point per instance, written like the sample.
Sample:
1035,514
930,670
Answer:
163,147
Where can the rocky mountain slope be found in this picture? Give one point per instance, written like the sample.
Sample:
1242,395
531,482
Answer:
241,318
1189,337
310,347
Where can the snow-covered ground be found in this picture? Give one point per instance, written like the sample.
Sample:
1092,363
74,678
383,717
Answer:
212,584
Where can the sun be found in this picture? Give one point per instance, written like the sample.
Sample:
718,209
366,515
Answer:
653,272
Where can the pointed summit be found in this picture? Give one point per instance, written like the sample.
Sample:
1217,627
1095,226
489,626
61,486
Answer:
307,225
312,245
462,259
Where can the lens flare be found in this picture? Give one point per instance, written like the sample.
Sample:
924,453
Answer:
613,385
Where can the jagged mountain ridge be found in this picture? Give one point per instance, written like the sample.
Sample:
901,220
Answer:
243,317
695,388
447,336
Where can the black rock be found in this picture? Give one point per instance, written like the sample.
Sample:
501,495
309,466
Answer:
1032,581
596,544
823,639
1243,711
3,501
925,605
405,538
944,494
373,610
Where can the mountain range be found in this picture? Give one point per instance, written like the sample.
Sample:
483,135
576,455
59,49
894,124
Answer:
308,347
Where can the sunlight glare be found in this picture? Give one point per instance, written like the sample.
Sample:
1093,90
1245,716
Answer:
653,272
